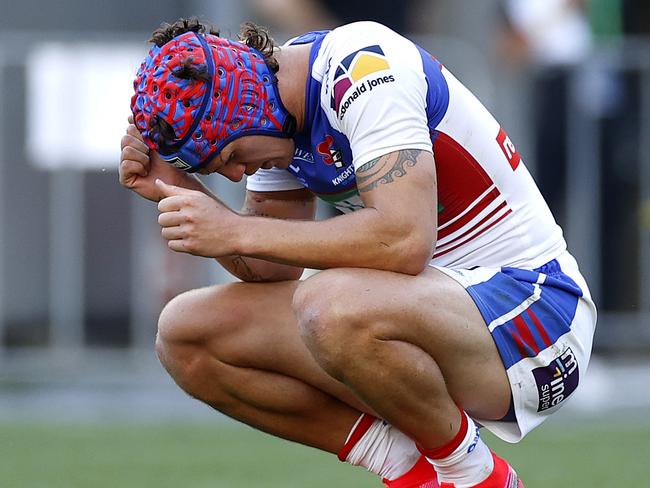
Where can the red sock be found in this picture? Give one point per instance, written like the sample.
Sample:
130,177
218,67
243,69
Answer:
465,460
444,451
362,426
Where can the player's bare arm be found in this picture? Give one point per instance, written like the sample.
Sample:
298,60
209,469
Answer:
139,168
393,233
292,204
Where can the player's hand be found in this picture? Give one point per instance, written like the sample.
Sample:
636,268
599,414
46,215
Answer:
140,167
195,223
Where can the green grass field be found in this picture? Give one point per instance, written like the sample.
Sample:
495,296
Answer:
227,455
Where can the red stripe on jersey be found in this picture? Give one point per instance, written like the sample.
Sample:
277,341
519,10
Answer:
442,253
477,225
540,328
526,334
461,179
465,219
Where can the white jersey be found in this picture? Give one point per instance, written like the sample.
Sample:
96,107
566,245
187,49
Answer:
371,92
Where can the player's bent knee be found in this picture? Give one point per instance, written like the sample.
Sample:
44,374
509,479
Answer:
328,322
188,323
187,366
319,316
199,315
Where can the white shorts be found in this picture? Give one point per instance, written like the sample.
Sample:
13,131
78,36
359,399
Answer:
542,322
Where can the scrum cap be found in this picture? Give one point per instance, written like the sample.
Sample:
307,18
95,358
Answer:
209,91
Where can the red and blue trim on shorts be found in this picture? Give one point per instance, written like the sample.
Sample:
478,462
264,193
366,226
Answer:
527,311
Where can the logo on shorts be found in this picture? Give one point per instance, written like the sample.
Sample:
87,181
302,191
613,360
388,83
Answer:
351,70
556,381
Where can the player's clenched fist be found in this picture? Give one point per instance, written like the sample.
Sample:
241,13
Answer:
139,167
195,223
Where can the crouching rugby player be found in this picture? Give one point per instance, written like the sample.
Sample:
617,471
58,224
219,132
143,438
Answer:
448,299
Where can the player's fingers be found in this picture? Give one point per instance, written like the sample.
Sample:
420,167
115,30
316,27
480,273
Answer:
172,233
170,219
171,204
132,130
128,168
133,154
171,190
130,119
134,141
177,245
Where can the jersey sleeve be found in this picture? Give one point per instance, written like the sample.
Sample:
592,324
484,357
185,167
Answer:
273,179
379,93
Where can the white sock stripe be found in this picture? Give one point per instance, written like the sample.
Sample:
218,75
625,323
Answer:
354,427
384,450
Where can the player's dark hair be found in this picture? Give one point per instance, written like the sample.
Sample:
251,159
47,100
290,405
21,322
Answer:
166,32
258,38
192,72
250,34
161,131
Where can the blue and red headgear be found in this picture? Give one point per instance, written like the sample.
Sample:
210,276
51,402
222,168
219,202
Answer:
238,97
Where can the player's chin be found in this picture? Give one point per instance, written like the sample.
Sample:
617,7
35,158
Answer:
235,178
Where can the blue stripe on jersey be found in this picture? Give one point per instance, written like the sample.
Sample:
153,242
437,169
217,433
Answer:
520,337
320,177
309,37
437,89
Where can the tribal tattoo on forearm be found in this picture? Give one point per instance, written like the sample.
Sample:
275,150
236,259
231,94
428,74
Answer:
384,169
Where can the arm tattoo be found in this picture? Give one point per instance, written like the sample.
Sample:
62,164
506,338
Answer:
385,169
256,213
243,270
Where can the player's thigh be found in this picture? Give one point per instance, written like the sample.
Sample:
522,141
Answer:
435,313
249,325
458,337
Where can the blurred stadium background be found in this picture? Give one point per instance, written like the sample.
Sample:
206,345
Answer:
83,272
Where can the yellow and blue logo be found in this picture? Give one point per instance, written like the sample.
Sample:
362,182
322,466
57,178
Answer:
353,69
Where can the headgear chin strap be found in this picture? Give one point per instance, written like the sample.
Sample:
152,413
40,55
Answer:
238,97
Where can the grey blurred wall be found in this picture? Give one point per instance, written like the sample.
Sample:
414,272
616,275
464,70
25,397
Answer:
25,191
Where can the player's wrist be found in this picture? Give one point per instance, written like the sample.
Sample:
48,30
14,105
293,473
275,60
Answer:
243,233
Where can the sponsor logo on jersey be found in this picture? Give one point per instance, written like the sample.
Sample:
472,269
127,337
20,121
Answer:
302,155
349,171
329,154
508,149
355,67
556,381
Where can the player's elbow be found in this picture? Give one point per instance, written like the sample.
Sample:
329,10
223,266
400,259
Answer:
417,255
412,253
